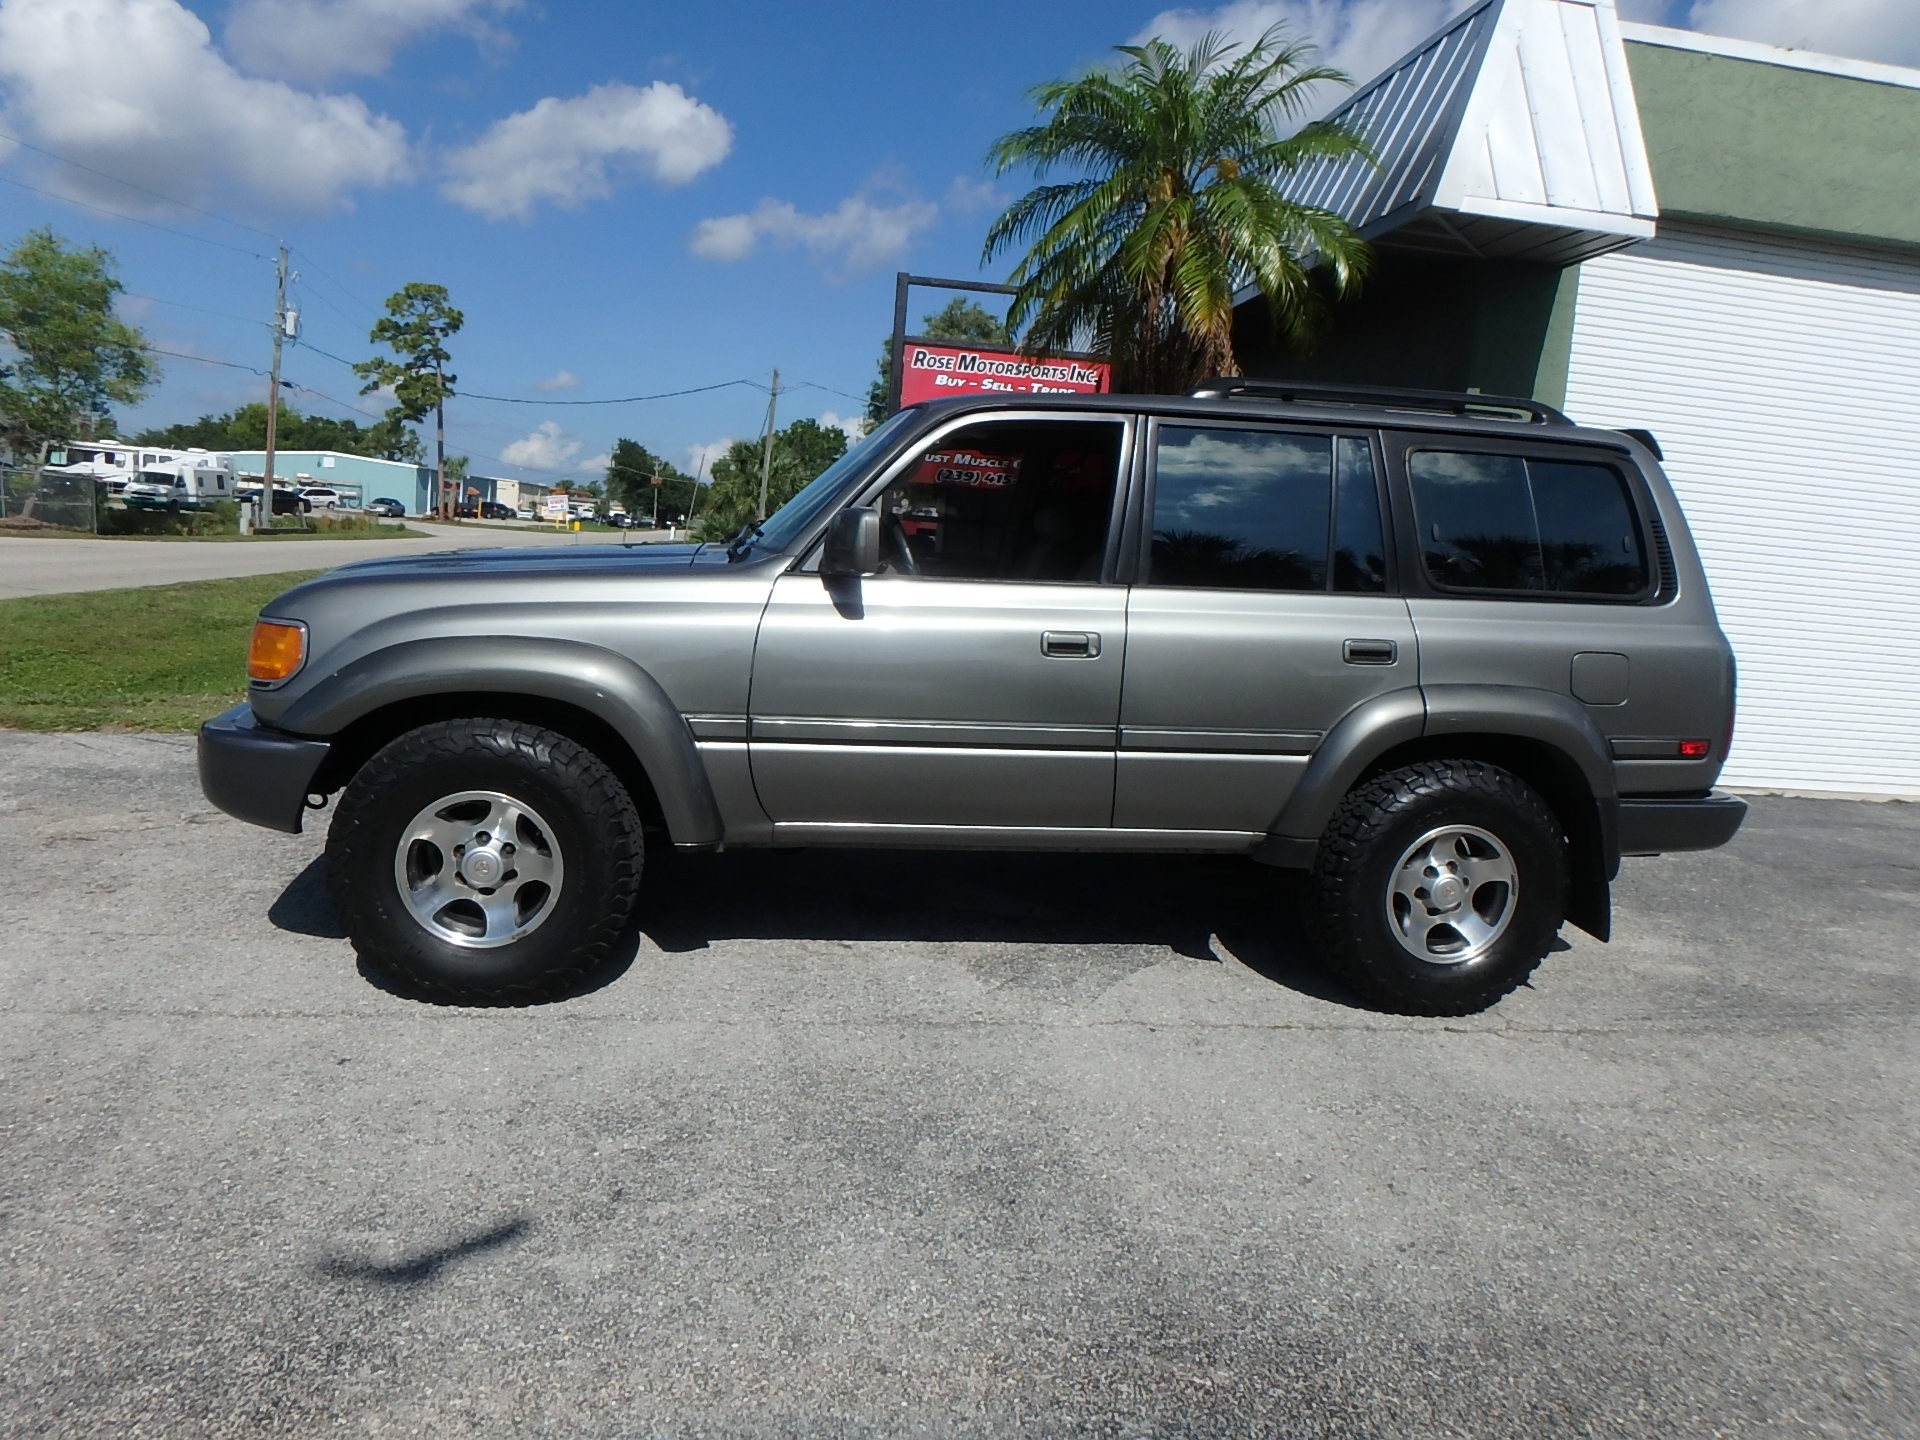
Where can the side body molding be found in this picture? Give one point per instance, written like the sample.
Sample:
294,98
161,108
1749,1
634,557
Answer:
606,685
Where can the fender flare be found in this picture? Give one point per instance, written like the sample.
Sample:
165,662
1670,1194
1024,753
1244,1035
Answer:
1378,725
606,685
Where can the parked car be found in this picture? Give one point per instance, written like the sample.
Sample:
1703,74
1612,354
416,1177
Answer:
1451,656
321,497
285,502
384,506
525,512
620,520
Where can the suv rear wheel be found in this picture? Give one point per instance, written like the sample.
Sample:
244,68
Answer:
484,858
1439,887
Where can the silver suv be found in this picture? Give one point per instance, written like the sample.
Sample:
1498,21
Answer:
1452,655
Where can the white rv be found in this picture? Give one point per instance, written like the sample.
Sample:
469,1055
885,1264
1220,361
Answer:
113,463
190,482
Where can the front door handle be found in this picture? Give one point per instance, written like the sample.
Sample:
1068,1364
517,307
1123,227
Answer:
1070,644
1370,652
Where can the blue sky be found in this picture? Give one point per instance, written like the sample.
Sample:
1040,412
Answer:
624,199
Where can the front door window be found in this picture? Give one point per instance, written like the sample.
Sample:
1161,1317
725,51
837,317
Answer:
1006,500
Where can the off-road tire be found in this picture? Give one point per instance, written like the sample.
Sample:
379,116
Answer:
595,827
1355,864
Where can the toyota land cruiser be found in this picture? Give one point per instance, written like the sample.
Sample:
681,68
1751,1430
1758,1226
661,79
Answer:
1452,655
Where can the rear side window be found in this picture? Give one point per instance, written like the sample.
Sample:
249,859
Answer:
1247,509
1513,523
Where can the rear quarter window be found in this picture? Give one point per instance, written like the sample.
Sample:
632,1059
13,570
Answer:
1527,525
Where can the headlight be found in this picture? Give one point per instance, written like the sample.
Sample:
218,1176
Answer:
278,650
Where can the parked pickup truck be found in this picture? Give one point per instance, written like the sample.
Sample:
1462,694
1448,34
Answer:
1451,655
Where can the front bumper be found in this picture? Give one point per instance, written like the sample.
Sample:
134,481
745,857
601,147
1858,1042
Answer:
255,774
1660,826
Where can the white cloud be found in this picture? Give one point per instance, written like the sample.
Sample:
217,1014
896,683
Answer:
595,466
134,88
1883,30
852,426
857,234
966,196
547,448
316,39
568,152
1361,37
700,458
559,380
724,237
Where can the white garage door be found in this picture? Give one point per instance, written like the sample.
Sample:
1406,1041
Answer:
1783,381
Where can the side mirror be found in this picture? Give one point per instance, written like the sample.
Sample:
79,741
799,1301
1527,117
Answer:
853,544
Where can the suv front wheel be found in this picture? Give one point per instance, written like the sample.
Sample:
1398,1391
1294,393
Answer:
1440,886
484,858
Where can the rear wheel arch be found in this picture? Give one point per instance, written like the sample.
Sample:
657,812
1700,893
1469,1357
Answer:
1544,739
1561,781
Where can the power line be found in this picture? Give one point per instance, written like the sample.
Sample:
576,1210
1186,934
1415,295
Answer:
514,400
816,385
170,199
327,275
207,360
182,305
307,345
132,219
617,400
321,296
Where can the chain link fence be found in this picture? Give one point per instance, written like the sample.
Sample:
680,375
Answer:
34,499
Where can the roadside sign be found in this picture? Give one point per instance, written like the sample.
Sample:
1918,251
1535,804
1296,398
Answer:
934,369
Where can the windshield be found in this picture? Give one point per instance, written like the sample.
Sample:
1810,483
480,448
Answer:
786,525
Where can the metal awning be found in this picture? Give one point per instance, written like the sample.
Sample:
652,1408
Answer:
1511,133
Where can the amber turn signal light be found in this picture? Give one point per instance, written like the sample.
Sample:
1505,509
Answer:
277,651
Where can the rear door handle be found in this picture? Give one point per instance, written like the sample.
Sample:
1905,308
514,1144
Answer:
1370,652
1070,644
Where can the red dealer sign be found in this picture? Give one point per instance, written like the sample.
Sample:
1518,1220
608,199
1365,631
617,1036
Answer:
934,370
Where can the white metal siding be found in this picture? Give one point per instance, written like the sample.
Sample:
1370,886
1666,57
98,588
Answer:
1783,380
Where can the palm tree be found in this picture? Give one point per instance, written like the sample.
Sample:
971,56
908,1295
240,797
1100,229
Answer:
1177,204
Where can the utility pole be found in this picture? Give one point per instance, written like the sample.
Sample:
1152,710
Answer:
273,390
440,441
766,446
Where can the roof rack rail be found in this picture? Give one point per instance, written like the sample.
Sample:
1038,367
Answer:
1447,402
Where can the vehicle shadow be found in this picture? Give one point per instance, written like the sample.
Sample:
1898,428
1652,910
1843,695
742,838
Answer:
1204,908
1194,906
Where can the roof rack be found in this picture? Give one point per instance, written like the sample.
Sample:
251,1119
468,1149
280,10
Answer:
1446,402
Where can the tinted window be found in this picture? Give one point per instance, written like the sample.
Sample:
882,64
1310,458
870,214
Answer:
1241,509
1589,539
1359,547
1500,522
1005,500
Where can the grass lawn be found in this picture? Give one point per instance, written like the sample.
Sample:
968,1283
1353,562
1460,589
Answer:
163,657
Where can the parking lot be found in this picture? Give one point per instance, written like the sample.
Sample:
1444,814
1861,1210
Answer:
854,1143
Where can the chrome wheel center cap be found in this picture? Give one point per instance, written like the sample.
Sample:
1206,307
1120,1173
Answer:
1447,894
482,869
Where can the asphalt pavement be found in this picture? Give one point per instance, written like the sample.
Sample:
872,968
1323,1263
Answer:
44,566
941,1144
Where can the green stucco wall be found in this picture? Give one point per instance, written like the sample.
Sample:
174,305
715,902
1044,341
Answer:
1749,144
1499,327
